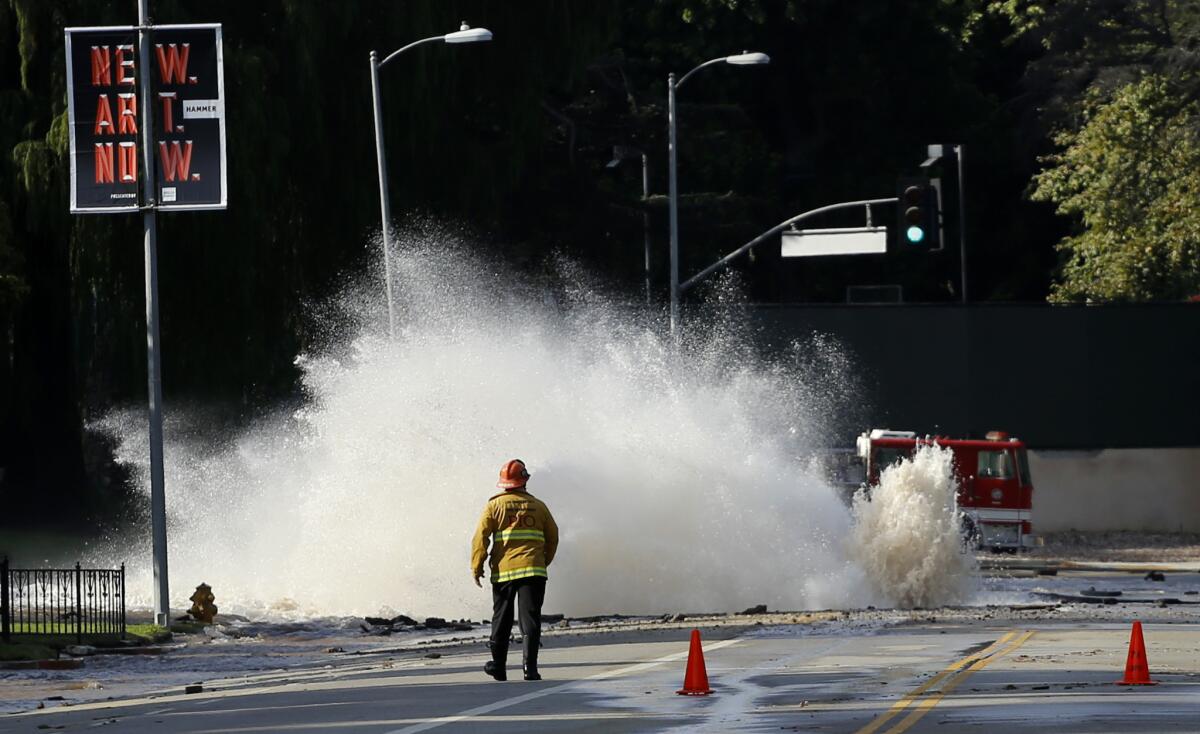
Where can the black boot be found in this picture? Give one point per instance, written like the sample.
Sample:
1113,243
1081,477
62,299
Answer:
530,665
495,670
496,666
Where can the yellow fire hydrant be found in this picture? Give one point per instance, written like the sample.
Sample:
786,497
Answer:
203,608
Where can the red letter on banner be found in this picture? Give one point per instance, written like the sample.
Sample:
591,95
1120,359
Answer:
124,64
172,63
176,162
104,163
101,66
104,124
127,162
127,109
168,105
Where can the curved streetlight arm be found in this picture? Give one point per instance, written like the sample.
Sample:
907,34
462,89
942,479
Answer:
465,34
710,62
773,230
414,44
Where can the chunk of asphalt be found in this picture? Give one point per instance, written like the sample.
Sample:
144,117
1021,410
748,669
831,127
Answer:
1093,591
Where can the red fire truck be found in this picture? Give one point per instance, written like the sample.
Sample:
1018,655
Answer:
995,490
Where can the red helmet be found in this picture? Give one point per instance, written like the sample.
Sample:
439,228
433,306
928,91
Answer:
513,475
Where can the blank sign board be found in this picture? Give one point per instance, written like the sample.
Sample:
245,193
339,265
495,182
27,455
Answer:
821,242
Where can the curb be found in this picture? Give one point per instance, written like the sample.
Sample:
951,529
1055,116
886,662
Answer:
1119,566
144,650
64,664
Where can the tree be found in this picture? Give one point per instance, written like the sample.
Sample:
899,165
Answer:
12,285
1113,77
1087,44
1131,174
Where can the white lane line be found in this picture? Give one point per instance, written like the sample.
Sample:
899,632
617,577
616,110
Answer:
518,700
590,716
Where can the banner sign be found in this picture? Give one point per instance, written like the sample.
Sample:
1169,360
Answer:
102,101
188,85
187,89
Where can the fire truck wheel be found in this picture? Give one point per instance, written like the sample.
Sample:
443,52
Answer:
970,534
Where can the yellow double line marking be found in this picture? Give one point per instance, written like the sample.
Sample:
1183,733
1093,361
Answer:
971,663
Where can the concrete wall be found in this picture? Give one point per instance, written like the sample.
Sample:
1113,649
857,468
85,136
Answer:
1116,489
1060,377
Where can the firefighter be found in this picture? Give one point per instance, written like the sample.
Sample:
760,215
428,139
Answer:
524,539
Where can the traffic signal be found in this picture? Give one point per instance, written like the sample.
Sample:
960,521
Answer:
918,223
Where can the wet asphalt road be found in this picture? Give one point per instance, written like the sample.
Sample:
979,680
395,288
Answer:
997,671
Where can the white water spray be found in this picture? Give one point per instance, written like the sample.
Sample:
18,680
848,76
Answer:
676,476
907,536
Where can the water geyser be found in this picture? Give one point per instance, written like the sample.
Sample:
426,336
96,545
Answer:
679,477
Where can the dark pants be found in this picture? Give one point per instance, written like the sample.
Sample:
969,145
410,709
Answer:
528,593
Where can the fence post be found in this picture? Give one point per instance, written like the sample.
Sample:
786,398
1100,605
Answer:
122,601
78,604
5,612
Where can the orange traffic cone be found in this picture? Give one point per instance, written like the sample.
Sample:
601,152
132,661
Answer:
695,680
1137,668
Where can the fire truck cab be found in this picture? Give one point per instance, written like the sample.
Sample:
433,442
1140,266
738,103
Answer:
995,489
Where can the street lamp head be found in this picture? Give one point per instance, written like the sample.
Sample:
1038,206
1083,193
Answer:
467,34
747,58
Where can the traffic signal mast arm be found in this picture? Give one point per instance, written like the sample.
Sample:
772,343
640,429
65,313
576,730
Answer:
723,262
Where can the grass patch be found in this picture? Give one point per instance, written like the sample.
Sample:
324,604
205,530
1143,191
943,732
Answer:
60,629
149,632
34,643
55,637
44,641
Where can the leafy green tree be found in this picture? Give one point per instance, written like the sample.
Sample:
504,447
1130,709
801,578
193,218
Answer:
1099,43
12,284
1112,77
1131,175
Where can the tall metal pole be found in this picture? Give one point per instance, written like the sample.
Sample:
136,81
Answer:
384,203
158,499
646,221
674,205
962,222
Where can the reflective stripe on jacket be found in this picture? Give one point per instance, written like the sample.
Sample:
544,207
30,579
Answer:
522,534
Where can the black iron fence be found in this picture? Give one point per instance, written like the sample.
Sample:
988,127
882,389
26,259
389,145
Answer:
56,601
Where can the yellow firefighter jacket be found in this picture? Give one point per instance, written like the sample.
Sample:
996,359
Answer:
523,534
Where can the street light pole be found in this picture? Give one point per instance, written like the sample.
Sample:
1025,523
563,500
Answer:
745,58
465,34
646,221
158,495
674,203
962,221
385,208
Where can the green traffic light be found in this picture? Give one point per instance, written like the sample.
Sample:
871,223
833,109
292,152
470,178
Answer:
915,234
